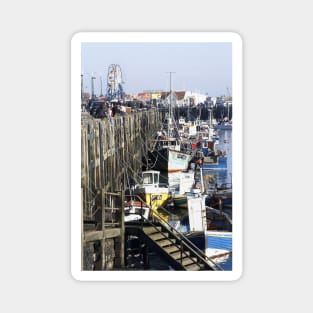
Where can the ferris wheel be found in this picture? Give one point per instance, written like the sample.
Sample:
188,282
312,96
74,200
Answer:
114,82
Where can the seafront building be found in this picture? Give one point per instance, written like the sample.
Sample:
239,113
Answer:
177,98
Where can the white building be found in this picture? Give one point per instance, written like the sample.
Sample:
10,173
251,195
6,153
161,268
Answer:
194,98
183,98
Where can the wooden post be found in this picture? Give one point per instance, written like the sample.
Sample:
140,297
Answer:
82,230
122,248
103,264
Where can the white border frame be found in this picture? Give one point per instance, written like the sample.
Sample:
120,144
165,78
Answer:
237,147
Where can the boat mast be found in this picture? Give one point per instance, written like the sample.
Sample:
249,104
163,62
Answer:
229,96
170,106
210,118
201,180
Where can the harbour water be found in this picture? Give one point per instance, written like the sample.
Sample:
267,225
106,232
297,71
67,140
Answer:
212,177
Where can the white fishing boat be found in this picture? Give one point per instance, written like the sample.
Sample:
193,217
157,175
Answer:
136,211
168,154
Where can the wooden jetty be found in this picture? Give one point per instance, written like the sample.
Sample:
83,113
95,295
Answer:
111,153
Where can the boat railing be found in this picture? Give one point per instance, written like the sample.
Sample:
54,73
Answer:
179,237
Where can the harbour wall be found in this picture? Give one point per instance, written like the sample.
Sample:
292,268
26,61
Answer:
111,159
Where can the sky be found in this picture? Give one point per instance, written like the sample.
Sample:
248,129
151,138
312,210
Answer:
199,67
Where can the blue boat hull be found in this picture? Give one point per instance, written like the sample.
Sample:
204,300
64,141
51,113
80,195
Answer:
220,240
216,245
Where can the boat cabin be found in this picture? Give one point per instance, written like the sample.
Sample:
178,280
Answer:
181,121
169,142
206,146
151,178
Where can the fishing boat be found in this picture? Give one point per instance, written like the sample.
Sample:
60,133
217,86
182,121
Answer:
217,245
151,191
189,130
216,240
179,182
182,185
213,161
207,155
168,154
135,211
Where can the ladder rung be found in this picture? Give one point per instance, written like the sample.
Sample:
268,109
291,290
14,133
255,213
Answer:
164,242
178,254
158,236
193,267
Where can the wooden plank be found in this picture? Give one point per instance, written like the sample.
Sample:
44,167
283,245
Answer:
112,193
95,235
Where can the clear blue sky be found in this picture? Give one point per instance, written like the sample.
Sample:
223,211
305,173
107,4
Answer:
199,67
